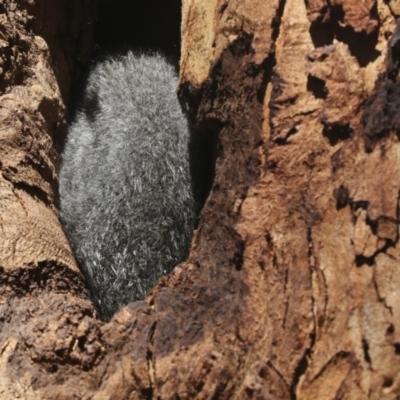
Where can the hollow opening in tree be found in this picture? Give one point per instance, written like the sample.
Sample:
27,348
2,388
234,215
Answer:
131,220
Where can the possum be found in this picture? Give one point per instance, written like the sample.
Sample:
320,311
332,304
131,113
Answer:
127,201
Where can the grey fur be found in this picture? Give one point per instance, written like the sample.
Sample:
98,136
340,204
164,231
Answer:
126,195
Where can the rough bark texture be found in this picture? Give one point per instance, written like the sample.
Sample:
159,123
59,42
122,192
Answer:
292,287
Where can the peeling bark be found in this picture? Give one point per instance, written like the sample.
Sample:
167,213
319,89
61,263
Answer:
291,287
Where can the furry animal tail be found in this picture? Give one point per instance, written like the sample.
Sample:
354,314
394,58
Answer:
126,194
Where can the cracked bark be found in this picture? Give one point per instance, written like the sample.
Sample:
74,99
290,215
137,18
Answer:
291,289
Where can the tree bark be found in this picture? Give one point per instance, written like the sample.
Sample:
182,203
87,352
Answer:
291,286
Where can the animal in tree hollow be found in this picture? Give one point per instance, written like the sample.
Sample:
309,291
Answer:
127,201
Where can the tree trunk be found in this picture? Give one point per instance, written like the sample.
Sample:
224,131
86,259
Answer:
291,286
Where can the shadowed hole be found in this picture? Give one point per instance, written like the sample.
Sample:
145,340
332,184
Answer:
148,25
317,87
390,330
336,133
361,45
365,345
387,382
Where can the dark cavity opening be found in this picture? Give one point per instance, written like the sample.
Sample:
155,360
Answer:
361,45
388,382
202,155
141,25
342,197
362,260
317,87
336,133
365,346
389,331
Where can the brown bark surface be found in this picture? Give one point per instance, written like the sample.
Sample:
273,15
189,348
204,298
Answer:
292,288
